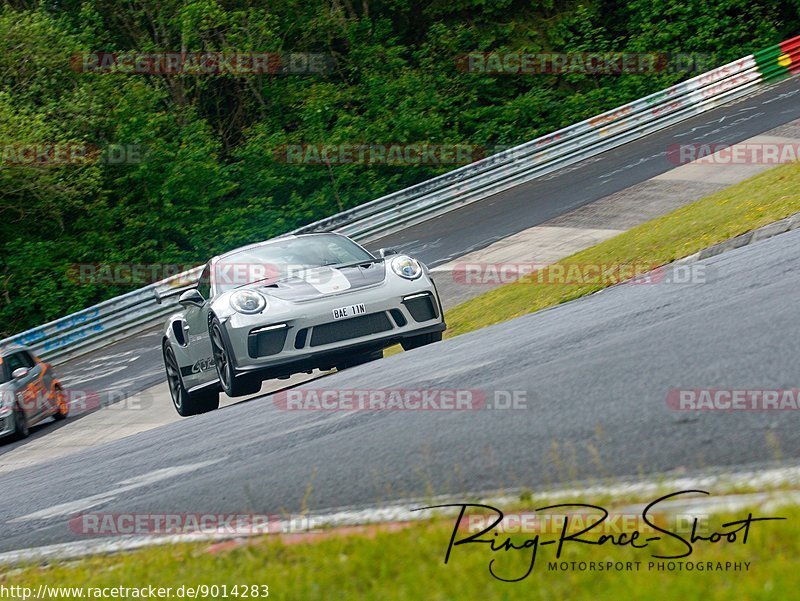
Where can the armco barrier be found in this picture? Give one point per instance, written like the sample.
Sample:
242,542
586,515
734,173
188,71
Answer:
122,316
570,145
779,61
101,324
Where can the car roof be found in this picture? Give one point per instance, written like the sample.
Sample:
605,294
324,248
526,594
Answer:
12,348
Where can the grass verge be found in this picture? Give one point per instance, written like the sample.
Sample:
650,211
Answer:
756,202
407,563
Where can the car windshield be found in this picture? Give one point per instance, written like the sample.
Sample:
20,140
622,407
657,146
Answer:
285,257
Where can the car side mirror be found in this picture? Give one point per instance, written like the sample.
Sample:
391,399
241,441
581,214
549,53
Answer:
191,297
19,373
387,252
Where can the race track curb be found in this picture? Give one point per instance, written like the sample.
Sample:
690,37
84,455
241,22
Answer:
784,225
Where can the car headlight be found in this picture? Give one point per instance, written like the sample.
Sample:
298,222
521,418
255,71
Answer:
406,267
248,302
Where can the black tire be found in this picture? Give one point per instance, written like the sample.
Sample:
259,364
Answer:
21,429
186,403
359,359
421,340
232,384
63,409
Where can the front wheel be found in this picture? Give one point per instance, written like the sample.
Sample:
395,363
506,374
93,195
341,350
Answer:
232,385
21,429
186,403
62,405
421,340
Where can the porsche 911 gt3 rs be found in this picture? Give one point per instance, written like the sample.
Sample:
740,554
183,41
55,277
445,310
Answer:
289,305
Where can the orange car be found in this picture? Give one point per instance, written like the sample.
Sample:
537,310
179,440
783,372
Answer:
29,392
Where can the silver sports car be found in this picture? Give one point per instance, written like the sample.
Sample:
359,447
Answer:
290,305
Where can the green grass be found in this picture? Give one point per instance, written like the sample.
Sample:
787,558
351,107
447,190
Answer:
760,200
408,564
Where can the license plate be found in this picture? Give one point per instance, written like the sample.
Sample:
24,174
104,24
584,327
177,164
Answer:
349,311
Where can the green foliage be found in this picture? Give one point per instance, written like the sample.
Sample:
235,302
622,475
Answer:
210,178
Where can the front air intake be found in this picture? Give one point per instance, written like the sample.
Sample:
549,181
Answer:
355,327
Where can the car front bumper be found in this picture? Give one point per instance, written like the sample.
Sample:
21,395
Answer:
7,424
293,337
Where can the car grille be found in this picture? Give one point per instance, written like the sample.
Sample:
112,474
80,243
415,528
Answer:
422,308
264,344
398,317
355,327
300,338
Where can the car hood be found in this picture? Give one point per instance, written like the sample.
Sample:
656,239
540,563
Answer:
325,281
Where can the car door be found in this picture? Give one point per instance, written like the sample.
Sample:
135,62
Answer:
200,368
29,388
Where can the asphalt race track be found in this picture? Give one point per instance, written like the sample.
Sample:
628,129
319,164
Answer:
477,225
135,364
596,373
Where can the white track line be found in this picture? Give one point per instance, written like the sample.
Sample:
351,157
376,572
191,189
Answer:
786,477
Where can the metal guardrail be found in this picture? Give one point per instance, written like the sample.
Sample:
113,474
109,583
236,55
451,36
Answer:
120,317
557,150
102,324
